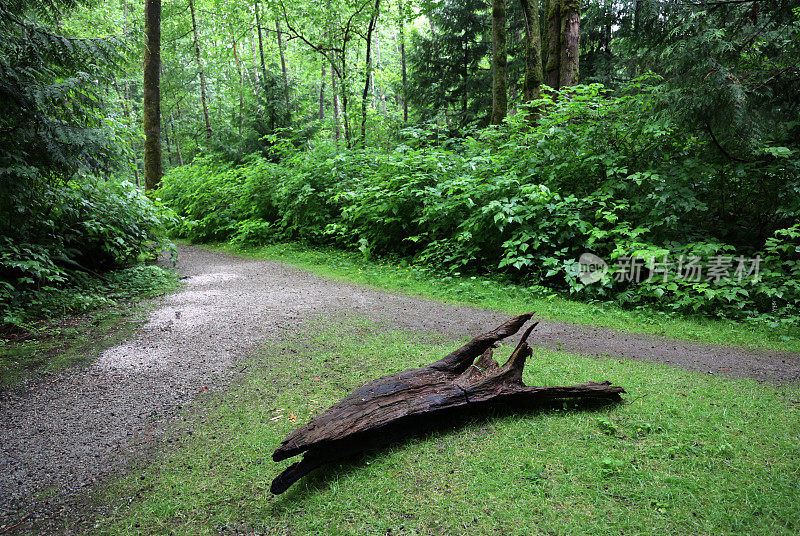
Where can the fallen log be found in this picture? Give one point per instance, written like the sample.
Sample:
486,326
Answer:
397,405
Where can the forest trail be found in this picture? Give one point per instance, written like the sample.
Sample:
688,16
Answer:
61,436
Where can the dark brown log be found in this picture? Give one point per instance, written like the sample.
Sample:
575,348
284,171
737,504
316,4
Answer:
397,405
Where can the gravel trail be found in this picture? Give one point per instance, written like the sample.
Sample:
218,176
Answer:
60,437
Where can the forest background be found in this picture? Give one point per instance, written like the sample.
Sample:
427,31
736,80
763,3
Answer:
503,139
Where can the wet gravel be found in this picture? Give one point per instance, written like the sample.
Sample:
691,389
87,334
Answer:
59,438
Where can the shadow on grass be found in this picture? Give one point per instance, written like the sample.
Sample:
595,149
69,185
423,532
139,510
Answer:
341,458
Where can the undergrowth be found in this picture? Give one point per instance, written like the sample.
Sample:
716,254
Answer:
598,174
61,327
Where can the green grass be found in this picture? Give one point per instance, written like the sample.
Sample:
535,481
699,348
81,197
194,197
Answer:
684,454
46,345
490,294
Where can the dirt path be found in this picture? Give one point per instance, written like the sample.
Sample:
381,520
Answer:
58,438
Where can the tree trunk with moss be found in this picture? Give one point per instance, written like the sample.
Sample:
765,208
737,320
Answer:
552,63
152,95
533,51
563,39
499,62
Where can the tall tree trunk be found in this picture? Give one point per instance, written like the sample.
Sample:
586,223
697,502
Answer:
533,51
152,96
254,55
240,117
345,117
403,60
373,62
322,92
563,39
283,64
261,45
552,65
380,93
200,69
499,62
368,62
570,38
335,93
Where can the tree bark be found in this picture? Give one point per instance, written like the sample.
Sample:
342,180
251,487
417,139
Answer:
563,40
533,51
552,65
152,95
400,404
499,62
570,38
200,70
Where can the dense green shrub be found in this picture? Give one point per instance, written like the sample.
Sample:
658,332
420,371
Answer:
89,225
601,174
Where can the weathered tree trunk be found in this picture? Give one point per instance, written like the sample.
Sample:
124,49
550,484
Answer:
533,51
563,39
200,70
552,66
152,95
499,62
397,405
570,37
403,61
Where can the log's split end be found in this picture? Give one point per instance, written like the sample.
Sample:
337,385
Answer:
400,404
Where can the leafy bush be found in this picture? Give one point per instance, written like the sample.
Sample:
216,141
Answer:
91,225
598,173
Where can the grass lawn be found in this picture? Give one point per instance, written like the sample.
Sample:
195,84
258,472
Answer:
684,454
481,292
